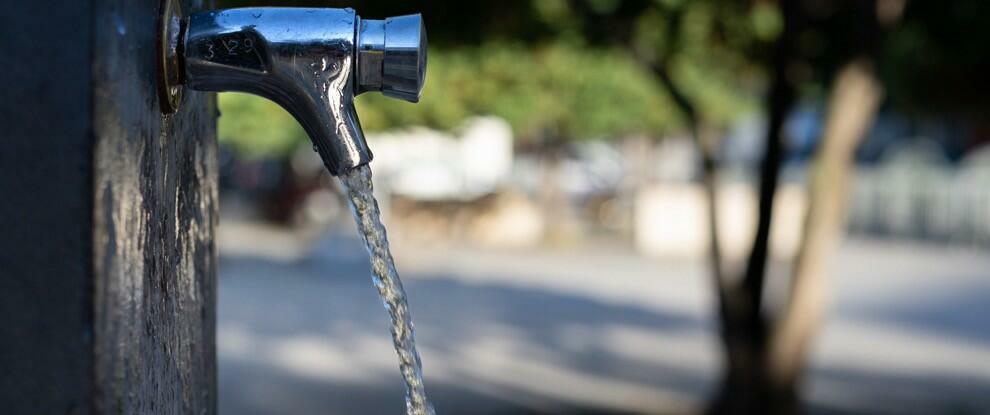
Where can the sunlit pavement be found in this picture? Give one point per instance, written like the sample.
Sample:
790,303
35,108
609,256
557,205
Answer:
589,330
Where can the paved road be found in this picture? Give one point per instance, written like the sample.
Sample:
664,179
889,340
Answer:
591,330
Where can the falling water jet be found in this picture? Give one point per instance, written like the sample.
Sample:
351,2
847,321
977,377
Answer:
359,191
313,62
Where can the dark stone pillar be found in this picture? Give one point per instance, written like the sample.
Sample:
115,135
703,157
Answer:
107,218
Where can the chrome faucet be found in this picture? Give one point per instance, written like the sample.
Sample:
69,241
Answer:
311,61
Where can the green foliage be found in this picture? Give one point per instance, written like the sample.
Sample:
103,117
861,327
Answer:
566,71
711,50
766,21
256,127
558,90
936,59
564,68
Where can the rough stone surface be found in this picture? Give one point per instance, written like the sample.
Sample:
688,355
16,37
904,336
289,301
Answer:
45,208
155,210
107,216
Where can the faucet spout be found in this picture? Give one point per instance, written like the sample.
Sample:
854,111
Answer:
312,62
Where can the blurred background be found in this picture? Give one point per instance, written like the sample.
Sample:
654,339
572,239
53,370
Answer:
633,206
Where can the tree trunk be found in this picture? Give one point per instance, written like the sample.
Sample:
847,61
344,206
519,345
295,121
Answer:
745,384
706,141
853,103
765,360
854,99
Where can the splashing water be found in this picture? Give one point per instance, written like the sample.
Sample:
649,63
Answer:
358,188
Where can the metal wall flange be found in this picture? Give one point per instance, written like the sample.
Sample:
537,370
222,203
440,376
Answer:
169,56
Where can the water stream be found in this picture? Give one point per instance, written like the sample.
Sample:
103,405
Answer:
358,189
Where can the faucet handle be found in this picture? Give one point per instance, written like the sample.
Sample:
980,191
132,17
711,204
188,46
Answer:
391,57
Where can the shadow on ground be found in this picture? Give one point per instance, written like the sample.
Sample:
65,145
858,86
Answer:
268,303
309,336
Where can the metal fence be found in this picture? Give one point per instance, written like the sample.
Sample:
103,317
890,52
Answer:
916,193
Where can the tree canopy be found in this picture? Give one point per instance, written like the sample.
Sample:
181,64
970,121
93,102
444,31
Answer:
580,69
546,68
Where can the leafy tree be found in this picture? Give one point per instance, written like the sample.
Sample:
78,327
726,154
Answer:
583,69
574,92
707,53
936,60
565,91
255,127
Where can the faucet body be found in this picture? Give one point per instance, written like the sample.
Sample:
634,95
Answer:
312,62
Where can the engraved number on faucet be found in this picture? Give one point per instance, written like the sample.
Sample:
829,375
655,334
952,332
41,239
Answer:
229,47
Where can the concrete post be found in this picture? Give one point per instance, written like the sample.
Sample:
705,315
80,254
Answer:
107,216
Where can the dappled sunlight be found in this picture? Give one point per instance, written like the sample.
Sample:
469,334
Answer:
601,330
